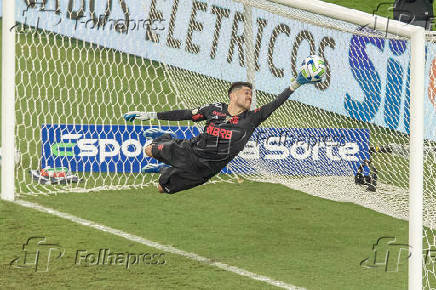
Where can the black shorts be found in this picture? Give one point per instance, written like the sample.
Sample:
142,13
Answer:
187,170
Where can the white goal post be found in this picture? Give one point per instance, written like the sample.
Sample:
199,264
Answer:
417,65
415,35
8,102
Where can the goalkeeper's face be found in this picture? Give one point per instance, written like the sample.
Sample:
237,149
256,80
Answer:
242,97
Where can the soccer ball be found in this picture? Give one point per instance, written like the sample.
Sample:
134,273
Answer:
17,156
313,68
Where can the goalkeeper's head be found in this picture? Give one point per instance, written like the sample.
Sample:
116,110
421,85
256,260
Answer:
240,94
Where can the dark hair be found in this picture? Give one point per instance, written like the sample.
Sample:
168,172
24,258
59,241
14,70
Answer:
238,85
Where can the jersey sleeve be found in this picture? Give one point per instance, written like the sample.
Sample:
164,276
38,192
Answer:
262,113
196,115
200,114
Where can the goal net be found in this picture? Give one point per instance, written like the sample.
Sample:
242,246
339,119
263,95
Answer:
80,67
430,165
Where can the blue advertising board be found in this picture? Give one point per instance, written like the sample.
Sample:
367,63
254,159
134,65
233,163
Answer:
304,151
283,151
101,148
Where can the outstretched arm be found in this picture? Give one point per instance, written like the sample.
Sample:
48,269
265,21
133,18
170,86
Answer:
262,113
176,115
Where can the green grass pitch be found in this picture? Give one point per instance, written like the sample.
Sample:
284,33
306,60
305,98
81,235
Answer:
267,229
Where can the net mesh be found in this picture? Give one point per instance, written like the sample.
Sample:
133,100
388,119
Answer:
429,166
61,80
184,55
379,102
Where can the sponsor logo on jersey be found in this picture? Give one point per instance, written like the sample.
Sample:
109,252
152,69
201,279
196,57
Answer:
219,132
219,114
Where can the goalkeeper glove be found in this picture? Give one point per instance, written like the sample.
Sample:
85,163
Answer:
142,116
301,80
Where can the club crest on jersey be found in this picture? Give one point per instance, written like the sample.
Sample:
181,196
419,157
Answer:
232,119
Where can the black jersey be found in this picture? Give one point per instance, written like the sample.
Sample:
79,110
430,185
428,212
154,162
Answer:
224,136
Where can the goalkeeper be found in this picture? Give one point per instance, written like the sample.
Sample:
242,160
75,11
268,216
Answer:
228,128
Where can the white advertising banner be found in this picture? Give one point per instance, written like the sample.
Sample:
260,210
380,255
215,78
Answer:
368,80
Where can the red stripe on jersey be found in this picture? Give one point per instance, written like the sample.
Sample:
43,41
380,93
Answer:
196,117
234,120
257,110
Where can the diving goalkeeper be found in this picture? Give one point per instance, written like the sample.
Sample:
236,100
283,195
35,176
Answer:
228,128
